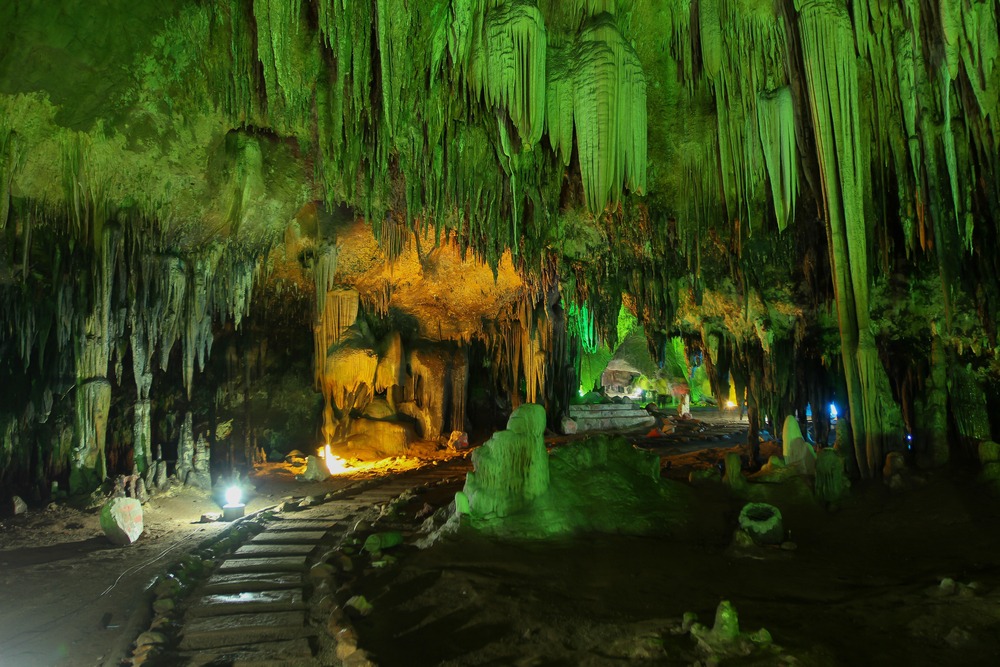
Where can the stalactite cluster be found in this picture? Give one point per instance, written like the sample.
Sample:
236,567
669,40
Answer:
792,187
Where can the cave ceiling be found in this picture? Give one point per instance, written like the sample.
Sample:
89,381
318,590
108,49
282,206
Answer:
812,175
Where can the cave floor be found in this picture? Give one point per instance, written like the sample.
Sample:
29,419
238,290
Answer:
68,597
862,587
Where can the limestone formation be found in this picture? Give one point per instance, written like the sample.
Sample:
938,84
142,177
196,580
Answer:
121,520
798,454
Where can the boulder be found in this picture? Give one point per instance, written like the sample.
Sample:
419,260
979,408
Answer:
121,520
379,408
316,470
383,437
18,505
568,426
458,440
832,483
989,452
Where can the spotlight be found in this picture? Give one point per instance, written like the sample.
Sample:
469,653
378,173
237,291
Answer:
833,412
233,509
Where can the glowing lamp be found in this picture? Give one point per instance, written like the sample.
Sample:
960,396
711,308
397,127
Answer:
731,404
833,412
334,463
233,495
233,509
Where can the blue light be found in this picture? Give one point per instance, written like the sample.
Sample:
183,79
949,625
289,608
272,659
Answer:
833,412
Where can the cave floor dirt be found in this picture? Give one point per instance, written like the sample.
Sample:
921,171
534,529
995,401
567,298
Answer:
68,597
862,586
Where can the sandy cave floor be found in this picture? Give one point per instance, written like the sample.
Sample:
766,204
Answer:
68,597
861,588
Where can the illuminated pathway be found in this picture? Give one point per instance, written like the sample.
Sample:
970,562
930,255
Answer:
269,602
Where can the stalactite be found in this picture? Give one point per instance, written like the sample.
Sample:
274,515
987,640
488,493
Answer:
168,307
340,371
776,121
459,389
197,332
509,70
600,85
142,371
831,74
11,162
389,373
93,390
289,60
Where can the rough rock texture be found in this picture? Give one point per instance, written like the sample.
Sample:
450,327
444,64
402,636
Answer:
798,454
121,520
598,484
763,523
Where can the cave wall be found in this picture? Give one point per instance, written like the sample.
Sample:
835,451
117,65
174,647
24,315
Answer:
804,189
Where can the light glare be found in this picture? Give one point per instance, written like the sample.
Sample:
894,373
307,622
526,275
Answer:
334,464
233,495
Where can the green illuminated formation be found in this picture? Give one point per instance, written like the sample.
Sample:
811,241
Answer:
602,484
313,212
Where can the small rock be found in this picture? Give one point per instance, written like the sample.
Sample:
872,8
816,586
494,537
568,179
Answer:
18,505
210,517
569,426
958,637
947,586
321,571
163,606
359,658
380,541
360,604
789,546
347,642
295,456
345,563
149,637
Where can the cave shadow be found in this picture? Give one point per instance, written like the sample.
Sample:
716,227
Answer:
449,637
54,552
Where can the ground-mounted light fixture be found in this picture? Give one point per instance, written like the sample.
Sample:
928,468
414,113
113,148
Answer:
234,508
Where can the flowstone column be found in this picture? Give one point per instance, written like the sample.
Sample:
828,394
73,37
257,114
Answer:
141,427
93,390
829,58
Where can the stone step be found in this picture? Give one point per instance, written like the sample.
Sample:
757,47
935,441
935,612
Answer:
290,653
599,407
243,629
576,413
268,550
614,423
298,525
252,581
289,537
248,602
263,565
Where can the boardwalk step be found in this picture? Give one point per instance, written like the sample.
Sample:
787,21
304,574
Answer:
243,629
248,602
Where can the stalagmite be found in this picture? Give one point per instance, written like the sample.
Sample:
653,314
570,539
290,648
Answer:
185,451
